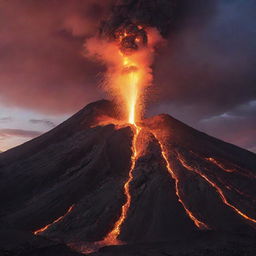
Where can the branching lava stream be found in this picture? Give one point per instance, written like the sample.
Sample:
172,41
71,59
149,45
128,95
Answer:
198,223
217,188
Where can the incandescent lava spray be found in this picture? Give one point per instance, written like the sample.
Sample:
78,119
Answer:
128,55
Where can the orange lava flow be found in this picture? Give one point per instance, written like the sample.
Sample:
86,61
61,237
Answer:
221,166
217,188
112,236
55,221
212,160
197,222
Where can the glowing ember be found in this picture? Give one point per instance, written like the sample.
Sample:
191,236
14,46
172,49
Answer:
55,221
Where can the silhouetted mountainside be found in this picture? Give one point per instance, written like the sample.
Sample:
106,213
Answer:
189,193
79,122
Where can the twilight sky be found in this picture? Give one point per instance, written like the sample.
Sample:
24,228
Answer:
205,75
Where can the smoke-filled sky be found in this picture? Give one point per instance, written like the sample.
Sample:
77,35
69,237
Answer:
204,76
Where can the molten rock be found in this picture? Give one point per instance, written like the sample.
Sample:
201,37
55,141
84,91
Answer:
131,37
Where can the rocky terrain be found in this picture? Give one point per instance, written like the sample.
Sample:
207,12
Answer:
72,179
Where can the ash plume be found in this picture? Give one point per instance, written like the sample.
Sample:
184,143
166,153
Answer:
153,13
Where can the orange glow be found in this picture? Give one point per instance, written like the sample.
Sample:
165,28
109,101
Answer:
130,82
104,120
217,188
128,74
112,236
133,97
221,166
57,220
131,79
164,154
210,159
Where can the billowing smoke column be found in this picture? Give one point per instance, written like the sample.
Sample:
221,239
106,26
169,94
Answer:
126,45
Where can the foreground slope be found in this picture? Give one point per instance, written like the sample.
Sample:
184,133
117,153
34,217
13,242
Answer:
68,184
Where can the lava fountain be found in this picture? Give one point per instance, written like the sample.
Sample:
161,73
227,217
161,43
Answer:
127,56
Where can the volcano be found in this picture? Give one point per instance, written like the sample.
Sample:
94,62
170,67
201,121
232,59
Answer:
189,193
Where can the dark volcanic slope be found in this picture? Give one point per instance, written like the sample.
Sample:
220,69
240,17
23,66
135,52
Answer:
74,176
213,175
41,179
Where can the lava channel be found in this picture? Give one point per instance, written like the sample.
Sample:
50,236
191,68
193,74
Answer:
221,166
112,237
55,221
216,187
198,223
228,170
